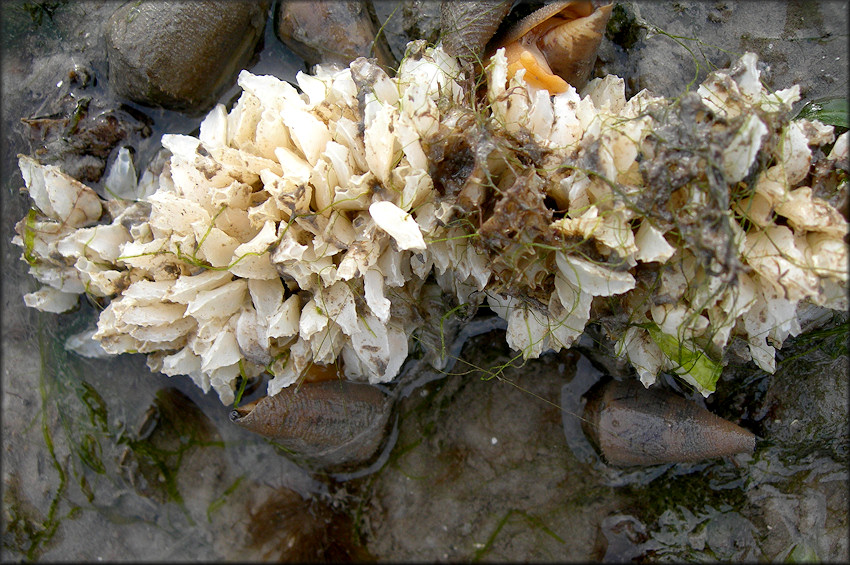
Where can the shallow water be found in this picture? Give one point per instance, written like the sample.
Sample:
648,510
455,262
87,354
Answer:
104,460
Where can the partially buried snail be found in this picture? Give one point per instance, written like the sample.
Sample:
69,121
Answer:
338,425
633,425
334,424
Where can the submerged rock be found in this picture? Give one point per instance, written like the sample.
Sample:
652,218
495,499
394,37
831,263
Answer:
805,406
409,20
332,32
81,136
181,55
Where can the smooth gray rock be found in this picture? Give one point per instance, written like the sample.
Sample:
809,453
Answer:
181,55
332,32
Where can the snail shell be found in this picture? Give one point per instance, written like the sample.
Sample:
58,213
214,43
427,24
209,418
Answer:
466,27
557,44
338,424
633,425
332,423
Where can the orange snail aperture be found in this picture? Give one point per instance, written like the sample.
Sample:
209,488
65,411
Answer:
557,44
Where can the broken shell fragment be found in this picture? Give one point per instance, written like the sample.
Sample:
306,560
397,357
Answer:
48,299
633,425
333,423
399,224
59,196
557,44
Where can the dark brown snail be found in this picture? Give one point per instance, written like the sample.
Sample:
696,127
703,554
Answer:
633,425
332,423
337,424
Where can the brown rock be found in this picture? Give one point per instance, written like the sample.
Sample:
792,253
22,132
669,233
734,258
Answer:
181,55
332,32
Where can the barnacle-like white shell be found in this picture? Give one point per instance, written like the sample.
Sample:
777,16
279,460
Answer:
302,226
58,195
593,279
48,299
651,245
398,224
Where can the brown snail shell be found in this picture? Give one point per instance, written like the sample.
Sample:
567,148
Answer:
633,425
557,44
337,424
332,423
466,27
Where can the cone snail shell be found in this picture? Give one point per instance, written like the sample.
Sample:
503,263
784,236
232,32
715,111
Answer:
632,425
335,423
